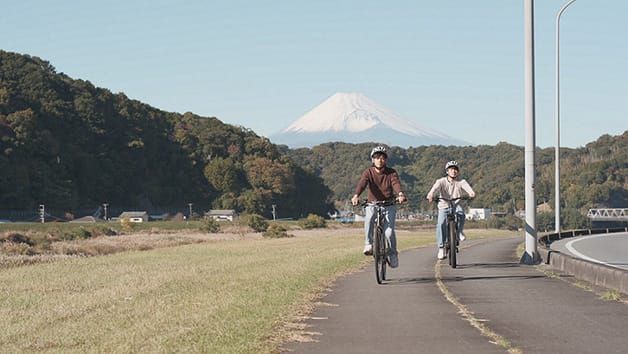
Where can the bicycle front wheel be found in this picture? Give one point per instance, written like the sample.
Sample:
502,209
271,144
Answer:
452,244
379,255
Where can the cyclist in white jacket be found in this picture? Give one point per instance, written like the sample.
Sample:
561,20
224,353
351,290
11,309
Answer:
449,187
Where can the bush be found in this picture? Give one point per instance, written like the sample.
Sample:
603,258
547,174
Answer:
313,221
127,226
545,221
15,237
101,230
210,225
16,249
81,233
257,222
69,234
508,222
276,231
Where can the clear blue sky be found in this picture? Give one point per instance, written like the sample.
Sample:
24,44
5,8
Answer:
456,66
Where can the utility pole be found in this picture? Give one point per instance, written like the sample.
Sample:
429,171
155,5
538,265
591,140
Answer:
531,255
42,213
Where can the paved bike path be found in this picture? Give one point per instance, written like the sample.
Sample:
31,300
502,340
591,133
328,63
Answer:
410,314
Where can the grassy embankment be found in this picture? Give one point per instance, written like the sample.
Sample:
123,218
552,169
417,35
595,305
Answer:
225,296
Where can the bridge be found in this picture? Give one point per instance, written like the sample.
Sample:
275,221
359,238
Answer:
608,214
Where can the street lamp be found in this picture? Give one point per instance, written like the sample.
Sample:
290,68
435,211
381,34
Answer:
531,255
557,113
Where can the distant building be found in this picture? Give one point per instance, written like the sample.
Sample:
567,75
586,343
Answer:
222,214
133,216
478,213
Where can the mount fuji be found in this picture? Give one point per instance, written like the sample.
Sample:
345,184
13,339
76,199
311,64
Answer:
354,118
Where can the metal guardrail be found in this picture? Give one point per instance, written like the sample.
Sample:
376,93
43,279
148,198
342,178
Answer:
547,239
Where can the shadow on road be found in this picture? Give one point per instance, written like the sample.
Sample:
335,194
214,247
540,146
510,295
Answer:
489,265
488,277
403,281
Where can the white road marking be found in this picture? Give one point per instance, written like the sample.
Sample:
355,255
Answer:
570,248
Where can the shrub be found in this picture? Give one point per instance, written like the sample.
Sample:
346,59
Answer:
17,238
127,226
102,230
210,225
14,249
276,231
313,221
81,233
257,222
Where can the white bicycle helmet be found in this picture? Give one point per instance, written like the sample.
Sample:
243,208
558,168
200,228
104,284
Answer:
379,149
453,164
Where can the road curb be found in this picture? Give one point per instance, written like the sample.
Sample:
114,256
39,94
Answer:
598,274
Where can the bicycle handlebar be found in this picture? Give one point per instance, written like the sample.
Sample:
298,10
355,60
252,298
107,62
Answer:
453,199
384,203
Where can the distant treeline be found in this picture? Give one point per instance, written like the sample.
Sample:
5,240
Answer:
70,145
592,176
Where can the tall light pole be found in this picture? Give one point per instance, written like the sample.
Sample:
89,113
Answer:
531,254
557,128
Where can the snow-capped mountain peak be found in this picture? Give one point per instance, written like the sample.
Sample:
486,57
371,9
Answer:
354,118
353,112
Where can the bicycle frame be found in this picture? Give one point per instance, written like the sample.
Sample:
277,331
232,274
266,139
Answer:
381,244
450,242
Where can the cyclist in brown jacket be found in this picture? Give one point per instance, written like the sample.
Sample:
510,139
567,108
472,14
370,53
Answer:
383,184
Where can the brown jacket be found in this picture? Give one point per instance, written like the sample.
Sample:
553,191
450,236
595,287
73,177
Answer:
381,186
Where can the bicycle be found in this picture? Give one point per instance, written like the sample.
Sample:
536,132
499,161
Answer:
452,231
381,244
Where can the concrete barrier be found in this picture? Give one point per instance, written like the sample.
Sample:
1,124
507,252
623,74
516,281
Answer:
595,273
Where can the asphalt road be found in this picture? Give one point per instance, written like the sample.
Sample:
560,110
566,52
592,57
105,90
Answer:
489,304
609,249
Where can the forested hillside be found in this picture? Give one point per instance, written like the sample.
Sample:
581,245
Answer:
592,176
70,145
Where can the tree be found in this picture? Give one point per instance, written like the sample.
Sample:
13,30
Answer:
224,175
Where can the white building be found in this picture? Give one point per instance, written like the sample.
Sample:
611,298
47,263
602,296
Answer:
134,216
222,214
478,213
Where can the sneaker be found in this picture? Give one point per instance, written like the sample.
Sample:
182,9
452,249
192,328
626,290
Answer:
368,250
462,237
393,261
441,253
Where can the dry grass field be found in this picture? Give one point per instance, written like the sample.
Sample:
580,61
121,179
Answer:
183,292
